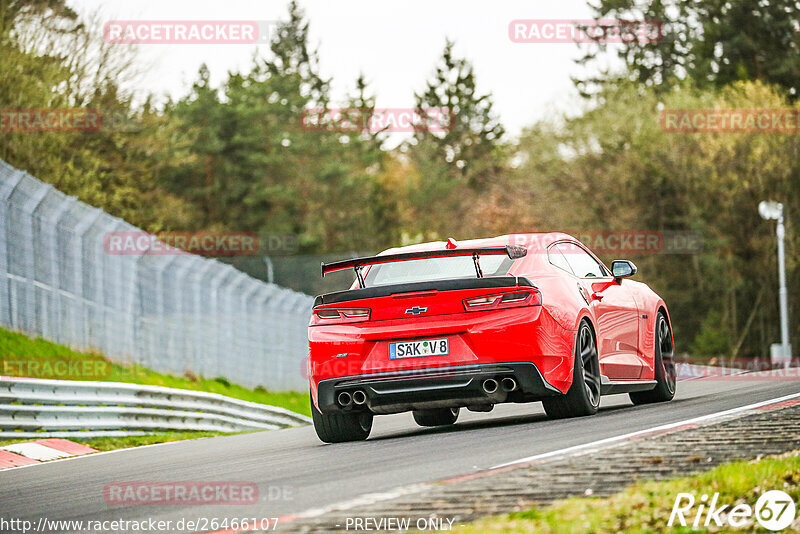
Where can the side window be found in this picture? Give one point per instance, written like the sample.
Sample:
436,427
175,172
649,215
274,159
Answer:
557,258
583,265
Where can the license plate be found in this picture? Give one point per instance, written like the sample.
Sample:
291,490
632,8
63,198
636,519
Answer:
416,349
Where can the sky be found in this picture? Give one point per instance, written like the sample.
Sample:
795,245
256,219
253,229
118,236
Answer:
395,44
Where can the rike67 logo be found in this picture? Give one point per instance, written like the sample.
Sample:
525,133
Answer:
774,510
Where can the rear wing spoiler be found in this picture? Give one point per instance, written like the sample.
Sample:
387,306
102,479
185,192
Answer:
512,251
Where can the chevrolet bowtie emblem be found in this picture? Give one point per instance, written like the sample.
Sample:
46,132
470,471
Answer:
416,310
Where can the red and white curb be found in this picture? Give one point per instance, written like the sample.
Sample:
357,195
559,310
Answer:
41,450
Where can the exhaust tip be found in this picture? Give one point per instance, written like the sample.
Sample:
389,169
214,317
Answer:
359,397
490,385
508,384
344,399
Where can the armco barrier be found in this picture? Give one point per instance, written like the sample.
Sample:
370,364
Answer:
66,408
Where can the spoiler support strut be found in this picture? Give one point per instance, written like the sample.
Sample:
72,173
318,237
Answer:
476,261
512,251
360,275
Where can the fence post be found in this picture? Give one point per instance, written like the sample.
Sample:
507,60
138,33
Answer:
52,209
202,312
10,179
30,320
83,276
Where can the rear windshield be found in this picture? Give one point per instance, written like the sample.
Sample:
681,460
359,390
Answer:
425,270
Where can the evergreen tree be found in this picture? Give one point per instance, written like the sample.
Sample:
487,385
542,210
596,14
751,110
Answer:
712,43
459,159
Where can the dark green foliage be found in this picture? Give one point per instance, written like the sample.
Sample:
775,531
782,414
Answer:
462,163
713,43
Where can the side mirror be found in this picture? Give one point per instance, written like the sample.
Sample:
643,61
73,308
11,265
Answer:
622,269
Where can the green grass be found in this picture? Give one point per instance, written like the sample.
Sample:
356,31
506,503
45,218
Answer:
22,356
125,442
645,507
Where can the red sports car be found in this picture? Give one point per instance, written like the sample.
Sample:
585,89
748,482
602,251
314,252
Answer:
436,327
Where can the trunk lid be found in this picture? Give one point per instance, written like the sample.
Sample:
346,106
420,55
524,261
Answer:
419,299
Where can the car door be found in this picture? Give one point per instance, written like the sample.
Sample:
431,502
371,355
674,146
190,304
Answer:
615,311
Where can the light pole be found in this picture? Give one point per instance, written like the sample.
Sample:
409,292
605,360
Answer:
270,269
771,210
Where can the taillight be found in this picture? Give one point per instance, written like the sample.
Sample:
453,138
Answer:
504,300
342,315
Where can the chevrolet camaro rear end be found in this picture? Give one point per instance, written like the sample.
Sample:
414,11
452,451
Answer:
433,329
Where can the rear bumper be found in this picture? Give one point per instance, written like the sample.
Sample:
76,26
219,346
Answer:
439,387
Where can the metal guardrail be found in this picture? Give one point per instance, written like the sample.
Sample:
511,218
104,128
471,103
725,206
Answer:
65,408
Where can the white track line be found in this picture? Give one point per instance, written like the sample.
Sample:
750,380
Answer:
374,498
650,430
363,500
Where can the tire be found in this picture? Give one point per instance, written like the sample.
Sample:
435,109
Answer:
436,416
341,427
583,397
664,364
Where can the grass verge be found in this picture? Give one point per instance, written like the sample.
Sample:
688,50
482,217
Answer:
645,507
21,355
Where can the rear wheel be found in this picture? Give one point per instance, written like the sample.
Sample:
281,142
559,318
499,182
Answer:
665,367
583,397
436,416
341,427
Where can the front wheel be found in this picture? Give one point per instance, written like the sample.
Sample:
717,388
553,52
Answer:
665,367
583,397
341,427
436,416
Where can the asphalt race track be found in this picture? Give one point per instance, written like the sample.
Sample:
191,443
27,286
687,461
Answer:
295,472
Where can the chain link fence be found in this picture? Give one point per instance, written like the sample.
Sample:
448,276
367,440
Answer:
171,313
